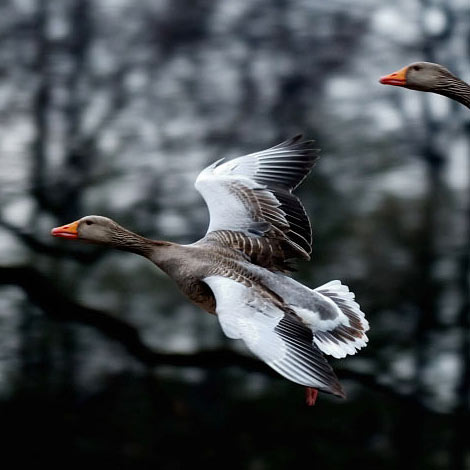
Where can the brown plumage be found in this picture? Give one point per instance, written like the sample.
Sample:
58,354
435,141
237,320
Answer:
257,226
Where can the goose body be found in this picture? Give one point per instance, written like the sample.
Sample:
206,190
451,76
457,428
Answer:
239,269
430,77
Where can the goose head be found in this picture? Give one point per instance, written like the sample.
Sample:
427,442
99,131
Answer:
422,76
92,228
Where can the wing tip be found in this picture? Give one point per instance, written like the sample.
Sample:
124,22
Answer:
338,390
334,387
297,141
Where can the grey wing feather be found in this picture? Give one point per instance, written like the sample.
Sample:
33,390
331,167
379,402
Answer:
274,334
252,194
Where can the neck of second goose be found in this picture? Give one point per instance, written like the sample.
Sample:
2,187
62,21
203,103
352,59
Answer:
457,90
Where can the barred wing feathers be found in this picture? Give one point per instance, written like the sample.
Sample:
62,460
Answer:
276,337
252,195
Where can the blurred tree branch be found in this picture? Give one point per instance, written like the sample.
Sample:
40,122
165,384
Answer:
59,307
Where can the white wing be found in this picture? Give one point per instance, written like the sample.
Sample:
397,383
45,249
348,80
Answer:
252,194
276,337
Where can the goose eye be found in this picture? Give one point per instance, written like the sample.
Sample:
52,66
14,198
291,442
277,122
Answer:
416,67
88,222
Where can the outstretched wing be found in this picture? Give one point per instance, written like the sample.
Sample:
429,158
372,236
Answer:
251,205
273,335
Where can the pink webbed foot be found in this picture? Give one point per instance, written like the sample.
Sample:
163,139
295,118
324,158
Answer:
311,396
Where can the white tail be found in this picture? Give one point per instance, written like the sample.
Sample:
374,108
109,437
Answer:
348,336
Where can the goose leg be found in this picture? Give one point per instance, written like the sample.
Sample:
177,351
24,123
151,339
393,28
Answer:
311,395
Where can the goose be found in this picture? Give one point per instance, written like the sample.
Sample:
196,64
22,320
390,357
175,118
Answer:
240,269
427,76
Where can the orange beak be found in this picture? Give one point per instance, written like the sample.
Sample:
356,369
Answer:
66,231
395,78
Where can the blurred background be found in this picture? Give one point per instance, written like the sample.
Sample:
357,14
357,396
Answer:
113,107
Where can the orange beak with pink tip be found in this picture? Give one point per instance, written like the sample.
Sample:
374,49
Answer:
396,78
66,231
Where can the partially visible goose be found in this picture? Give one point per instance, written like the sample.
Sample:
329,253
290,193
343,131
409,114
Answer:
237,270
426,76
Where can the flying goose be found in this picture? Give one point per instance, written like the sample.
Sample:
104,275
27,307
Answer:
426,76
239,269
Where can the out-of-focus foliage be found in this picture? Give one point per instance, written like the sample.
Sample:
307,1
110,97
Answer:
113,107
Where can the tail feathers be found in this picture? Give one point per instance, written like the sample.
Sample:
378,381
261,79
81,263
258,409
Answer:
348,335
